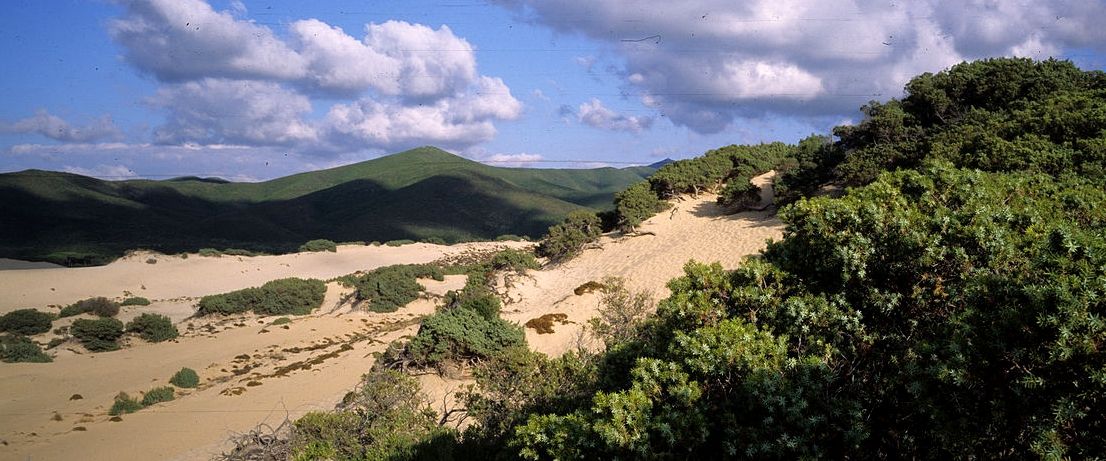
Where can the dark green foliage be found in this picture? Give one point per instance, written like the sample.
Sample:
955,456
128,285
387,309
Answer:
386,418
154,328
100,306
398,243
241,252
512,260
98,335
157,395
15,349
124,404
435,240
815,159
291,296
209,252
461,335
739,193
135,301
707,172
389,288
26,322
568,238
185,378
319,245
636,204
420,193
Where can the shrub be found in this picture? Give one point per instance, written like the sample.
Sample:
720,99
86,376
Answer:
210,252
400,242
124,404
15,349
185,378
636,204
98,335
26,322
157,395
319,245
135,301
241,252
510,238
513,260
568,238
435,240
739,194
390,287
100,306
281,321
279,297
461,335
154,328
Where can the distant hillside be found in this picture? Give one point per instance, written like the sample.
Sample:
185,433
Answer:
420,193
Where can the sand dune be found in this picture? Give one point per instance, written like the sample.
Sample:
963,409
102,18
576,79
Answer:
254,373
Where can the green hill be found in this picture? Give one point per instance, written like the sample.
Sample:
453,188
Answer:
420,193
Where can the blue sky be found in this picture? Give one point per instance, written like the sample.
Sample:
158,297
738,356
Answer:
254,90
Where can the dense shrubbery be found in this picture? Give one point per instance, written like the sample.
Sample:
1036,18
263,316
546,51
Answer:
636,204
135,301
400,242
154,328
100,306
15,349
319,245
97,335
185,378
291,296
471,331
568,238
26,322
388,288
707,172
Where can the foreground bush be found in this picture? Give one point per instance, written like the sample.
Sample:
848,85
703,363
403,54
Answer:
568,238
124,404
185,378
26,322
636,204
21,349
98,335
463,334
154,328
100,306
319,245
291,296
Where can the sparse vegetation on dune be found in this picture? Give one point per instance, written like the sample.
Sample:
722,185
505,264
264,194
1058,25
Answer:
26,322
135,301
154,328
100,306
99,335
319,245
186,378
15,348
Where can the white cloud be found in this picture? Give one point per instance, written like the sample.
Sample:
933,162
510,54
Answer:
512,160
709,63
595,114
103,171
54,127
177,40
219,111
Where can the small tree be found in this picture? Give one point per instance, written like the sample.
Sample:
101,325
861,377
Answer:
568,238
636,204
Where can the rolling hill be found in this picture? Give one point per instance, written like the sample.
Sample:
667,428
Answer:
420,193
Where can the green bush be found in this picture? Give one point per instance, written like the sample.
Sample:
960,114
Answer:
568,238
154,328
319,245
435,240
241,252
157,395
390,287
279,297
124,404
400,242
26,322
21,349
281,321
210,252
135,301
513,260
636,204
185,378
98,335
100,306
739,193
467,329
510,238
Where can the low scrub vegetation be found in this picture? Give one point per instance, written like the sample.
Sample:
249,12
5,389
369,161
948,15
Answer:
135,301
100,306
98,335
388,288
26,322
466,331
567,239
157,395
319,245
154,328
186,378
124,404
291,296
400,242
14,348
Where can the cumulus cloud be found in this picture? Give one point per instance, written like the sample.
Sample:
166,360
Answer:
54,127
177,40
708,63
220,111
452,122
512,160
595,114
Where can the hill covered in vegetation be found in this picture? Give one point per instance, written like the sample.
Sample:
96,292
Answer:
417,194
949,304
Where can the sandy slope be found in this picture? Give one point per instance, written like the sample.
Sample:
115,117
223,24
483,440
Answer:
695,228
255,373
